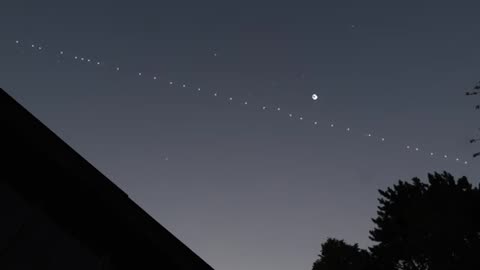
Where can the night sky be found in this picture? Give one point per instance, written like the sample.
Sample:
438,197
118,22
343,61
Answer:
246,187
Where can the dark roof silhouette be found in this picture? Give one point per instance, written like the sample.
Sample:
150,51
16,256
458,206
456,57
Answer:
52,177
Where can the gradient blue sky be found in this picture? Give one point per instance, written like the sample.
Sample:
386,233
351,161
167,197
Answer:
243,187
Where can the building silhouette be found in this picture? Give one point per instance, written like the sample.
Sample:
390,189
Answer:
58,212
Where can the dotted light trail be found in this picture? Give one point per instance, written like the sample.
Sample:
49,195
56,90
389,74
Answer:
76,58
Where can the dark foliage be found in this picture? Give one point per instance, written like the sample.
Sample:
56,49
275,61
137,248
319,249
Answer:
419,226
428,226
338,255
475,91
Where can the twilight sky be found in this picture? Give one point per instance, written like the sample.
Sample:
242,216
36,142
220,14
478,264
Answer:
244,187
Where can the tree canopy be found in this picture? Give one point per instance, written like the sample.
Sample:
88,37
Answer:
419,226
338,255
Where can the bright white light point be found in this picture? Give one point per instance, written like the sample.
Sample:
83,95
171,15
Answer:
88,60
98,63
33,46
408,147
290,115
331,125
154,77
314,97
184,86
348,129
76,57
466,162
301,118
457,159
16,41
416,149
172,83
61,52
431,154
383,139
246,103
445,156
139,74
264,107
198,89
369,135
82,59
278,109
118,68
215,94
315,123
230,98
39,48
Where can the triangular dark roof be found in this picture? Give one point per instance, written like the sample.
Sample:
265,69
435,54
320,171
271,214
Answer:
52,176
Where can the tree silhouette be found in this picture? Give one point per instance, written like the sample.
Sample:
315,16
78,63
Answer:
475,91
338,255
428,226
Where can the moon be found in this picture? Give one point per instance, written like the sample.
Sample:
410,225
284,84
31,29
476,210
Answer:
314,97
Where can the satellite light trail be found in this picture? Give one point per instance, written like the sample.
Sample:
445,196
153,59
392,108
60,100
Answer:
63,54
